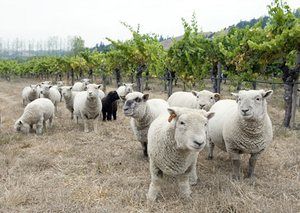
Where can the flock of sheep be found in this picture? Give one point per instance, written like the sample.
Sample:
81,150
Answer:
172,132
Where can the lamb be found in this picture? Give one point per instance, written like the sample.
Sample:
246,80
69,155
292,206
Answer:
36,113
142,112
110,106
87,106
195,100
50,92
174,142
241,127
124,90
69,95
29,93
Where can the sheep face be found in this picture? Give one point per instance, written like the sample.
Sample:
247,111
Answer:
67,92
86,81
205,99
20,126
190,127
60,83
135,105
34,88
128,88
92,92
45,90
252,104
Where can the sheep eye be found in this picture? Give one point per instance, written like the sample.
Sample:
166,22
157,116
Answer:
182,123
137,100
211,98
205,124
258,99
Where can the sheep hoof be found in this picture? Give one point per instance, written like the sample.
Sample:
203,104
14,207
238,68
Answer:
236,177
193,182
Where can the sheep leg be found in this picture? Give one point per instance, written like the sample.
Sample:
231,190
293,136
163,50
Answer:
85,125
114,113
193,178
104,115
145,151
96,123
109,115
211,147
154,188
39,127
184,186
50,121
72,115
44,125
252,163
236,165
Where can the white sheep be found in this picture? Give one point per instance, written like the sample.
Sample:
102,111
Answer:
195,100
36,113
241,127
174,142
50,92
29,93
99,91
142,112
87,106
79,86
68,96
124,90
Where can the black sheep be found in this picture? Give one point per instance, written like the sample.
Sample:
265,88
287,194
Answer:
110,105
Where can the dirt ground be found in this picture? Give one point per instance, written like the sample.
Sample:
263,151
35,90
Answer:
66,170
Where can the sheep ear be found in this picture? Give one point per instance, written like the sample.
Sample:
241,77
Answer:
194,93
172,114
50,86
71,87
217,96
235,94
99,86
145,97
20,122
124,84
267,94
209,115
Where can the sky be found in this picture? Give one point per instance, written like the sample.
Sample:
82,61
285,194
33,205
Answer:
94,20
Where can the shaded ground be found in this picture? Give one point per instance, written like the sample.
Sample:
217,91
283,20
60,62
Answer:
66,170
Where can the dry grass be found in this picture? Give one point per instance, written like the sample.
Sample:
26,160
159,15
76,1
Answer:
66,170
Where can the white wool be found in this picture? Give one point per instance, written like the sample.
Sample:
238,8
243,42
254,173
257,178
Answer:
195,100
51,93
125,89
36,113
79,86
241,126
29,94
142,113
87,106
174,142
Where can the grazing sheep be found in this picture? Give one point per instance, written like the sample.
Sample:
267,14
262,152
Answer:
241,127
69,95
87,106
142,112
195,100
29,93
110,106
124,90
36,113
174,142
50,92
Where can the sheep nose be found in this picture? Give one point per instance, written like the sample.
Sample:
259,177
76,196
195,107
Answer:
198,143
202,106
245,110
